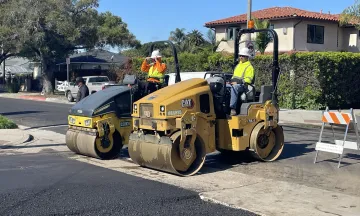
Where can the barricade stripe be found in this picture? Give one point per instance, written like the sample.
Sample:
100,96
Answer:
327,118
334,118
323,119
341,118
347,117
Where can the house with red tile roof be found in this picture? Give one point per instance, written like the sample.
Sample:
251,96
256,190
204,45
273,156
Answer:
297,29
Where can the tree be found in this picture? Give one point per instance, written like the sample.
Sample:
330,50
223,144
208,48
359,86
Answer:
262,38
50,30
195,38
211,38
351,15
178,35
9,37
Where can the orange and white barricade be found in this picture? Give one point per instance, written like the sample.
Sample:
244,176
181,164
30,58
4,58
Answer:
338,118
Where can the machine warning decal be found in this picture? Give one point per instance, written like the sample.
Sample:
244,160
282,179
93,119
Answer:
102,108
174,112
187,103
125,124
152,97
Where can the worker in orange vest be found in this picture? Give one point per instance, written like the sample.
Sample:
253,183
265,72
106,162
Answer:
156,71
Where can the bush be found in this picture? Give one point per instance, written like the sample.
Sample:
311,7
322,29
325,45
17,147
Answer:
13,87
6,123
308,80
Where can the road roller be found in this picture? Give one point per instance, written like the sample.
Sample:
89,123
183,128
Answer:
100,124
176,127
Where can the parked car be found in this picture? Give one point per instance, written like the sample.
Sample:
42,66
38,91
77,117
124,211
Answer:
94,83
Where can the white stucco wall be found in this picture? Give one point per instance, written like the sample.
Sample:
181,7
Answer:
350,40
335,38
285,40
330,37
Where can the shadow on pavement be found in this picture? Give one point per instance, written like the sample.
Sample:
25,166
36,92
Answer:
292,150
347,156
30,146
20,113
46,126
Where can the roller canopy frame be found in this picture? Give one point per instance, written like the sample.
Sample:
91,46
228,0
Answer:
177,67
275,64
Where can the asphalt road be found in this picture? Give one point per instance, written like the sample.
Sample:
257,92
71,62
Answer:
36,114
44,184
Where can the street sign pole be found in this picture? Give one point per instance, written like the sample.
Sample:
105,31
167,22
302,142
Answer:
67,68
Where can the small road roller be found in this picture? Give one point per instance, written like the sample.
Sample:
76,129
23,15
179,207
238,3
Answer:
100,124
177,126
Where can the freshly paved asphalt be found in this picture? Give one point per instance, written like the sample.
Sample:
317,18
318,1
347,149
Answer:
45,184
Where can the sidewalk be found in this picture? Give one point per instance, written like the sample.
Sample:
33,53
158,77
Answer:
13,137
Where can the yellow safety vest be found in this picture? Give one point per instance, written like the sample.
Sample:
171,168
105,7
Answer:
244,71
154,73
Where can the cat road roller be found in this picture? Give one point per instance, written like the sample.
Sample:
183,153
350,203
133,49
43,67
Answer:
177,126
100,124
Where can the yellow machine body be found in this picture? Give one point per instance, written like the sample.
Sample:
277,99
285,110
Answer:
100,125
94,132
175,127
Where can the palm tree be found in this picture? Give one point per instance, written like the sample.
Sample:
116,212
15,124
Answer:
211,38
195,38
262,38
178,35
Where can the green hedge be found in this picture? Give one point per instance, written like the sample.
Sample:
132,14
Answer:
308,80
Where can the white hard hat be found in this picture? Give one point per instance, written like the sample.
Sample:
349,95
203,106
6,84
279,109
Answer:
156,54
245,52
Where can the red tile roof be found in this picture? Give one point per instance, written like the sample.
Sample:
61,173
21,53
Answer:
277,13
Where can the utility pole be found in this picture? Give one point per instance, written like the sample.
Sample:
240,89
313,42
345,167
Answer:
249,5
3,64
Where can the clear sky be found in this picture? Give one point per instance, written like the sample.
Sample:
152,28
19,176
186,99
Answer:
153,20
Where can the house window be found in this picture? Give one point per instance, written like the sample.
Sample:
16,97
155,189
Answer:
231,33
315,34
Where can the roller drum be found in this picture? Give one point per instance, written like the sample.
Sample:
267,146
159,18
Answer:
81,143
162,154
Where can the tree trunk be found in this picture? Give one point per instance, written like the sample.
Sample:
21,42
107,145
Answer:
47,76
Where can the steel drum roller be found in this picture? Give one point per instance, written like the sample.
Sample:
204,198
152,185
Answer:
81,143
163,154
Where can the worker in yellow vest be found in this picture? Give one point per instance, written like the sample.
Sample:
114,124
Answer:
242,77
156,70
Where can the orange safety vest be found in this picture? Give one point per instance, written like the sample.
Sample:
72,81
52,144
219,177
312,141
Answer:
154,73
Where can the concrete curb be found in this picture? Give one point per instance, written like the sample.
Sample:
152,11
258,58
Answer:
36,98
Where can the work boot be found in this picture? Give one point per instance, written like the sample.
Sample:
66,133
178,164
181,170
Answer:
233,112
